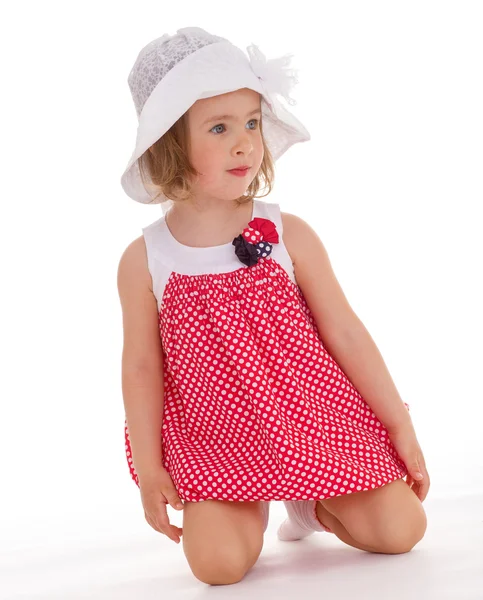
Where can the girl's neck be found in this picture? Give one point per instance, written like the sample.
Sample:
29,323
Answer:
213,226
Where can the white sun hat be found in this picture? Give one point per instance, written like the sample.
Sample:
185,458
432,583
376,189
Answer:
172,72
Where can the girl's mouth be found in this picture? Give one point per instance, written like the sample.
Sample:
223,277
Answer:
239,172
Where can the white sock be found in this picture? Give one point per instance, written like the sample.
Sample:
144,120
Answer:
302,520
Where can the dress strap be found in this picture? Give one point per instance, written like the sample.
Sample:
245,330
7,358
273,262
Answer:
271,211
158,265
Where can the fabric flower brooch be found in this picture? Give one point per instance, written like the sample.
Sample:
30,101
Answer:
255,241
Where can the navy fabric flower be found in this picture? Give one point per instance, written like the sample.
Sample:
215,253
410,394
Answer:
245,251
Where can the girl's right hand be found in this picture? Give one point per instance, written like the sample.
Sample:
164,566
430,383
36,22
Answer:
157,489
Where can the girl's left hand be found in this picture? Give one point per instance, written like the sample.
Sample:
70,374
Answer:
408,448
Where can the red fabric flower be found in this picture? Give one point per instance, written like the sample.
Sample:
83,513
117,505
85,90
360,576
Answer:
267,228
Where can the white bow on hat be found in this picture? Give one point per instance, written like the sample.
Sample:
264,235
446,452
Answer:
275,76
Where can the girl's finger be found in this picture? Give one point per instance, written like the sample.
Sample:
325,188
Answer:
420,488
425,486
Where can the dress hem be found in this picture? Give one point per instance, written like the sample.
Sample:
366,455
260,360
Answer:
282,498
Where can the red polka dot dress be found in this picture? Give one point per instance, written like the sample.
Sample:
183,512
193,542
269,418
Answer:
255,407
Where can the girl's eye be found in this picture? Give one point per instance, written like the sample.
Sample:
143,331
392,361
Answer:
221,125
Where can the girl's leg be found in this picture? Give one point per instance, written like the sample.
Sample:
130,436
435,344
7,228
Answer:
222,540
329,520
388,520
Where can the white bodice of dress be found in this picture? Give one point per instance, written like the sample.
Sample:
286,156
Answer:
166,255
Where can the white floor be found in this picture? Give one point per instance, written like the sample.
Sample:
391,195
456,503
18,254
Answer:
89,560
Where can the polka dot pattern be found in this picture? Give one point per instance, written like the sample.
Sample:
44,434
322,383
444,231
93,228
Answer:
255,406
251,235
264,249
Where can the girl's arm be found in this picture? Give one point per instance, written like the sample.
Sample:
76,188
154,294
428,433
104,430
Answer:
142,359
341,330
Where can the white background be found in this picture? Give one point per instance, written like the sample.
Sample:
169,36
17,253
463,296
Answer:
391,180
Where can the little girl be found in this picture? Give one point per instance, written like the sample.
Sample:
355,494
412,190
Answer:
246,375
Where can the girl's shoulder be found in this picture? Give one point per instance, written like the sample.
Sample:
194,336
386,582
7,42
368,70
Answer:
133,267
295,230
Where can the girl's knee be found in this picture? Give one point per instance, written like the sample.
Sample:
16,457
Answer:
405,533
220,567
399,533
389,520
221,540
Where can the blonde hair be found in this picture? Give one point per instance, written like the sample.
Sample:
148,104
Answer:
167,165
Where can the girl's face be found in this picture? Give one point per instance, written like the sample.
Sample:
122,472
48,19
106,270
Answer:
220,143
